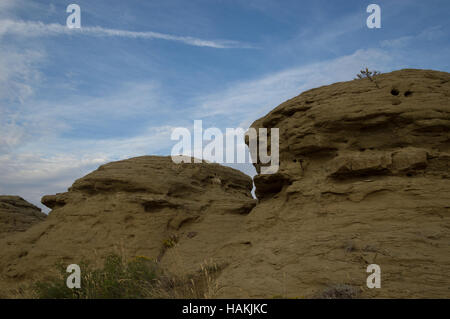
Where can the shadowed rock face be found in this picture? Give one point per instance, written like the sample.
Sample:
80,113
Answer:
364,178
17,215
134,207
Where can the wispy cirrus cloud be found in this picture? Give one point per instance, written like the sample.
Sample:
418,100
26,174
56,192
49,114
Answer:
33,175
49,167
40,29
18,73
430,34
246,101
7,5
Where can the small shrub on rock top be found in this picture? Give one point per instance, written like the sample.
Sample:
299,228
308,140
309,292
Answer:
367,74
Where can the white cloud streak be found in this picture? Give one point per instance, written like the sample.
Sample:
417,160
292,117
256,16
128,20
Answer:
248,100
40,29
430,34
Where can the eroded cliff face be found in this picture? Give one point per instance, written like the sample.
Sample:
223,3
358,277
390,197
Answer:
363,179
17,215
137,207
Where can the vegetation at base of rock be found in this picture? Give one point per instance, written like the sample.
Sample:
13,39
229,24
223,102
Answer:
340,291
140,278
117,279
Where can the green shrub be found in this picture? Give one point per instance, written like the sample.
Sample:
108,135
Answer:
117,279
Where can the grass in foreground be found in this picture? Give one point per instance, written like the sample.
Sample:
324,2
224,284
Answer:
139,278
117,279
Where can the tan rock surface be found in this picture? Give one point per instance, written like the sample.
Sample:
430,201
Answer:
134,207
17,215
364,178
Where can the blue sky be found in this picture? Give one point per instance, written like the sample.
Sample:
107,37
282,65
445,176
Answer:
70,100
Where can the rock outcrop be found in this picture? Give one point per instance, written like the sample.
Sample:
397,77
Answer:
364,179
136,207
17,215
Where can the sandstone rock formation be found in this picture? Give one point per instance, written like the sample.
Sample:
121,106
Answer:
17,215
363,179
136,207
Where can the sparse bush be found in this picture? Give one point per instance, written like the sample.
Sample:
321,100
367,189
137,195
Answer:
117,279
170,242
340,291
139,278
199,285
367,74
